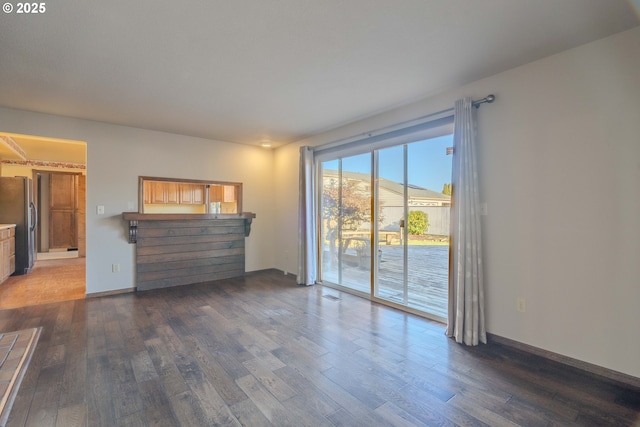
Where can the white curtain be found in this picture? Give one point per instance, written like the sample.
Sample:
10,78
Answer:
307,243
466,288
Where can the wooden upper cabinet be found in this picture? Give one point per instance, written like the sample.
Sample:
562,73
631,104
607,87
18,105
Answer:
186,194
191,194
173,193
147,192
198,196
158,192
215,193
162,193
222,193
229,194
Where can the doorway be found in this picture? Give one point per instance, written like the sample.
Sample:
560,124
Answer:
57,171
415,271
385,224
346,222
61,211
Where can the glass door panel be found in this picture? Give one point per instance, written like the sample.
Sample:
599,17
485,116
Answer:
346,222
391,277
413,197
329,227
428,206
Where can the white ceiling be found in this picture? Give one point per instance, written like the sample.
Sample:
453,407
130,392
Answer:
278,70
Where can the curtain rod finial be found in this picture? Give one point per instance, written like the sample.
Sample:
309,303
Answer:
487,99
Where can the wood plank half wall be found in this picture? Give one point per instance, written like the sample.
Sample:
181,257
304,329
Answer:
181,252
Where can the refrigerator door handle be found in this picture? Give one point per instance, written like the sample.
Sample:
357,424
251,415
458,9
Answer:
34,216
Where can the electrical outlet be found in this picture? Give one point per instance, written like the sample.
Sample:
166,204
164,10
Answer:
130,205
521,305
115,268
100,209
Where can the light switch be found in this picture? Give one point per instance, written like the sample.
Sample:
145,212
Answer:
100,209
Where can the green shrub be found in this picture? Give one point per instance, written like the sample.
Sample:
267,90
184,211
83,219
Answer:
418,223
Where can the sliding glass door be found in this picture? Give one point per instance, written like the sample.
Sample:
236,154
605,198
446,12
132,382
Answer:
346,222
414,193
385,223
391,278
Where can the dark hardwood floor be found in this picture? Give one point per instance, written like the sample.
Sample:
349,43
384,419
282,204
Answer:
260,351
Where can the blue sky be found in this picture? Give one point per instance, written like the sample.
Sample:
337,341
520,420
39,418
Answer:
429,165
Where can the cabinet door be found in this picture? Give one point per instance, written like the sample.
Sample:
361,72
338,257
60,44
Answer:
157,192
215,193
229,194
148,190
172,193
198,194
4,261
12,254
186,194
191,194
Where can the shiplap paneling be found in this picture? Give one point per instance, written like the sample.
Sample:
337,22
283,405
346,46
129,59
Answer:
181,252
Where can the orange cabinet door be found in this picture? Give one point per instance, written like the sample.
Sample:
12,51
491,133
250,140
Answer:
229,194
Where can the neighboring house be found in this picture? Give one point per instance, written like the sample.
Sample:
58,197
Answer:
435,205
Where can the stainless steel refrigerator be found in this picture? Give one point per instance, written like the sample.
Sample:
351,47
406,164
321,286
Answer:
17,207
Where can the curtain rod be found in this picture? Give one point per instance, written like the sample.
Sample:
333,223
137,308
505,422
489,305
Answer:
486,100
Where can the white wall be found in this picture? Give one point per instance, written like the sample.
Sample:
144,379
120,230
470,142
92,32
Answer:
560,147
117,155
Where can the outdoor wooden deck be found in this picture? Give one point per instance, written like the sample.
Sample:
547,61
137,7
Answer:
428,268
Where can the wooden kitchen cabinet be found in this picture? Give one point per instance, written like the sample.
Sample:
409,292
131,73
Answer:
191,194
161,192
222,193
146,192
215,193
155,192
229,194
7,251
167,195
172,193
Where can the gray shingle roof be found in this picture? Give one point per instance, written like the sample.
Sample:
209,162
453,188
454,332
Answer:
415,192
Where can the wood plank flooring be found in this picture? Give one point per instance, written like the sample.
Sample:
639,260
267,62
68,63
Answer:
261,351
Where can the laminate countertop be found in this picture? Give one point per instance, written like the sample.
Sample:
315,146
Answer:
5,226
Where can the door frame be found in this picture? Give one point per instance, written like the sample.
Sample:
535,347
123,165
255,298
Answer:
372,294
80,207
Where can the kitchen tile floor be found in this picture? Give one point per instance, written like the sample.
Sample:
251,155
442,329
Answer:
49,281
